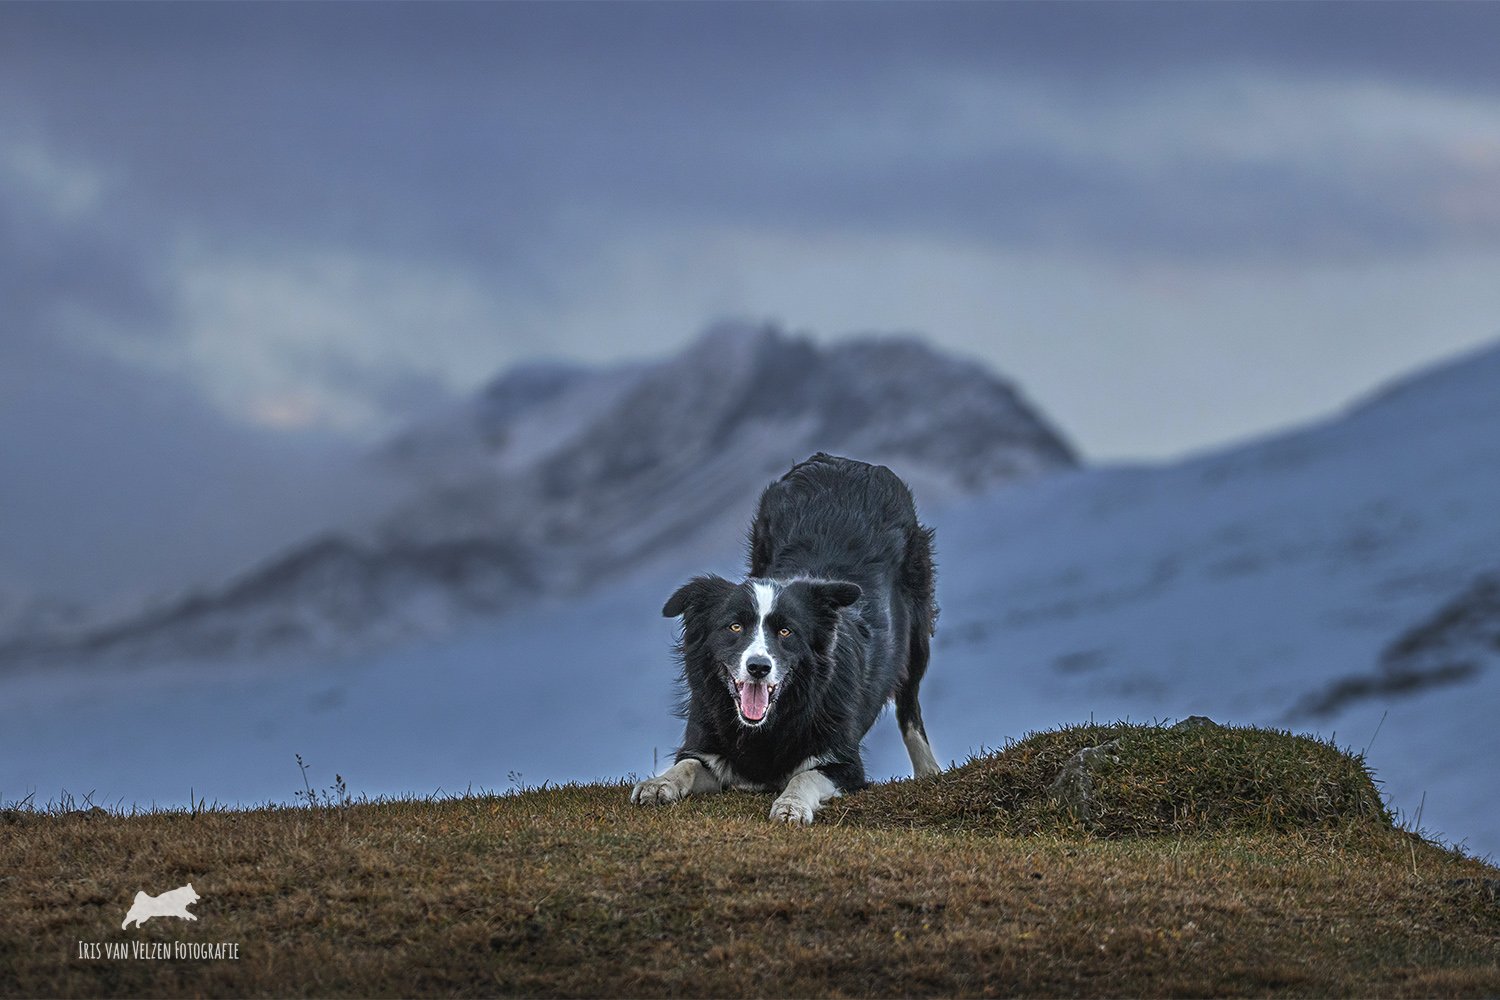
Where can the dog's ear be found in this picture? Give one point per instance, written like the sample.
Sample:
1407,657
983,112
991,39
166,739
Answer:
694,594
837,595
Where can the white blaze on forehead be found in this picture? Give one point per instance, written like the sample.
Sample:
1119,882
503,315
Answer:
765,599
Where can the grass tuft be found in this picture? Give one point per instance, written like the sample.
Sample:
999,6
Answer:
1124,780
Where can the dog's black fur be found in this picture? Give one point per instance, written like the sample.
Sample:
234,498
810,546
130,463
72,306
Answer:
854,571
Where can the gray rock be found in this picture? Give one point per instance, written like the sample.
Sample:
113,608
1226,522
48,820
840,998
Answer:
1073,788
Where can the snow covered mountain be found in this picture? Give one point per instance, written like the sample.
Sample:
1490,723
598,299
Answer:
1339,578
557,477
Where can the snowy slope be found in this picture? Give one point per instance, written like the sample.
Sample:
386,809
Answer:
1245,585
556,478
1249,584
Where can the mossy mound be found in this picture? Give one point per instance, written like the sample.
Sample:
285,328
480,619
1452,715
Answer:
1126,780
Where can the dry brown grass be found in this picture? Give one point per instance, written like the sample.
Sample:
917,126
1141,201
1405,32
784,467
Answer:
573,891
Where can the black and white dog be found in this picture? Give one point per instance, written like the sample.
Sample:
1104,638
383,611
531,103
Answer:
787,671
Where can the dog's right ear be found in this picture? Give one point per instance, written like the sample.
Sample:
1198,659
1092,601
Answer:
696,593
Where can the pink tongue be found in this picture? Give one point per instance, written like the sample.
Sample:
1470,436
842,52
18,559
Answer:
753,699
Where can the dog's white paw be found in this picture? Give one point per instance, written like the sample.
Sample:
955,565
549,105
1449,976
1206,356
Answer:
791,810
655,792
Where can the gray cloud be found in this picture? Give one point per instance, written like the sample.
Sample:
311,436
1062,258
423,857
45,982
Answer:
53,269
466,132
118,481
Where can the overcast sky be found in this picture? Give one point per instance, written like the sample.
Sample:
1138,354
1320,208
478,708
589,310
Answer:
234,239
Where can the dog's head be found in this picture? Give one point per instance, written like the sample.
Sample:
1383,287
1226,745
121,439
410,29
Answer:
760,639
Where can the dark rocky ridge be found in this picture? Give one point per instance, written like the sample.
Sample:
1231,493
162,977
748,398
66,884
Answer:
1459,640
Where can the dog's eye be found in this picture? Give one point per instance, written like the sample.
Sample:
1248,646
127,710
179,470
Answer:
736,627
785,632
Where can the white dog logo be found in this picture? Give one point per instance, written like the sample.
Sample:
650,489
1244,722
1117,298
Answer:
169,904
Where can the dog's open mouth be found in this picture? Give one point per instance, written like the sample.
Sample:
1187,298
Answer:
755,699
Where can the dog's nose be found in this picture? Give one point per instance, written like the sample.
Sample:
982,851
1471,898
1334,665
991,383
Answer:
758,666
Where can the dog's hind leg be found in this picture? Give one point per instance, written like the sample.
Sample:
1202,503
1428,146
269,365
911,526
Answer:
918,583
914,734
909,711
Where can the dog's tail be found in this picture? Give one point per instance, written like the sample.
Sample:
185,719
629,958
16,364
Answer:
918,572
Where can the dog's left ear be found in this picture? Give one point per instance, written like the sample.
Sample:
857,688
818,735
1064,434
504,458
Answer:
696,593
836,595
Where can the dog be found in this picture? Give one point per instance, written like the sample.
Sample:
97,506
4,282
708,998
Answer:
173,903
787,671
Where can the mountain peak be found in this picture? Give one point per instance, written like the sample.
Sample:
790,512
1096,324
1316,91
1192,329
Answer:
559,476
738,336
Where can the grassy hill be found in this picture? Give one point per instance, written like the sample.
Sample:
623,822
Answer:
1194,860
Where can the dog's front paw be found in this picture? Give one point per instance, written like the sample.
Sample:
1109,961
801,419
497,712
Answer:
655,792
792,811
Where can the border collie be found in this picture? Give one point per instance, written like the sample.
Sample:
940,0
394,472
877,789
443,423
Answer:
787,671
